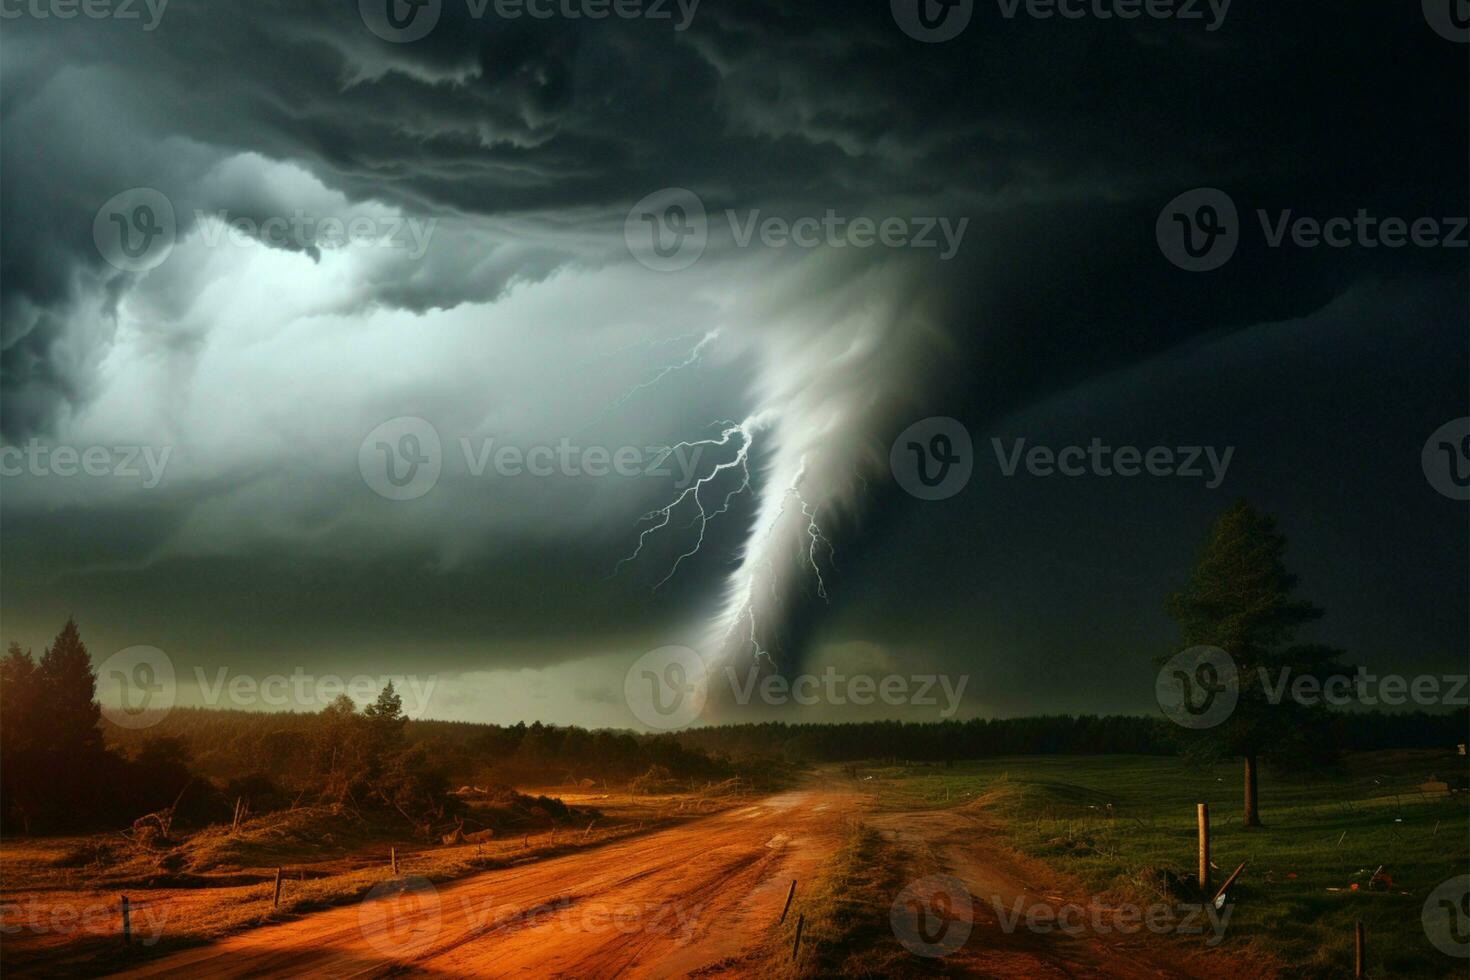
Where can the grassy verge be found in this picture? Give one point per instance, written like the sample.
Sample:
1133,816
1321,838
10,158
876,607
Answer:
844,916
1124,825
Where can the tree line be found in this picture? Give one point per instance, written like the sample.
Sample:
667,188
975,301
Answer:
64,767
953,741
58,772
224,743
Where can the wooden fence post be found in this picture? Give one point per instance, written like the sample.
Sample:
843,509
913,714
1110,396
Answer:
393,859
1360,966
1204,847
127,922
796,946
787,907
276,898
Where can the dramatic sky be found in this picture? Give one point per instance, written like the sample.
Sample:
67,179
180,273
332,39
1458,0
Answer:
501,172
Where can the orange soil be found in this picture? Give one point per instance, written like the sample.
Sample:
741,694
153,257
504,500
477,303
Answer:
696,899
692,898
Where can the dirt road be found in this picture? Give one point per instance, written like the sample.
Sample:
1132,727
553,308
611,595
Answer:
669,904
699,899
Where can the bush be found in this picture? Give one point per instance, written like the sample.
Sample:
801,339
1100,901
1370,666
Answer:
657,779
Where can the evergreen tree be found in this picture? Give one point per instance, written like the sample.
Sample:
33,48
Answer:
70,714
1240,598
385,723
387,709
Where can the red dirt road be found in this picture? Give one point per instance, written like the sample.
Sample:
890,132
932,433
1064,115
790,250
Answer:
689,899
699,900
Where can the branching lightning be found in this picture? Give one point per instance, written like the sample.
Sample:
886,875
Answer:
742,436
739,437
816,538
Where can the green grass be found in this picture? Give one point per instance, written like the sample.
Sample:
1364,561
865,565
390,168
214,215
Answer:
845,916
1116,822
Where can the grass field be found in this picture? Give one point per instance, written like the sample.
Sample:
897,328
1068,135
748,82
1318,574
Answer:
1118,823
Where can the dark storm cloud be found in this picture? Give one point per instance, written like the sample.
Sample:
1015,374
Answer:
817,105
528,140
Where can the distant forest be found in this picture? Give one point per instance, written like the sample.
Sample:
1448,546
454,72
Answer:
65,767
1047,735
223,744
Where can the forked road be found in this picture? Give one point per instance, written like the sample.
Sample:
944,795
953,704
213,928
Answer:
691,898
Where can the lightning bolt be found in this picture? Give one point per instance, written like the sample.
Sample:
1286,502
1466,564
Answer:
816,539
696,353
641,345
739,434
700,497
747,614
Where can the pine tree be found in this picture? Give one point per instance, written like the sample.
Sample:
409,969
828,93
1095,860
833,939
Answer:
70,713
388,708
385,720
1240,598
